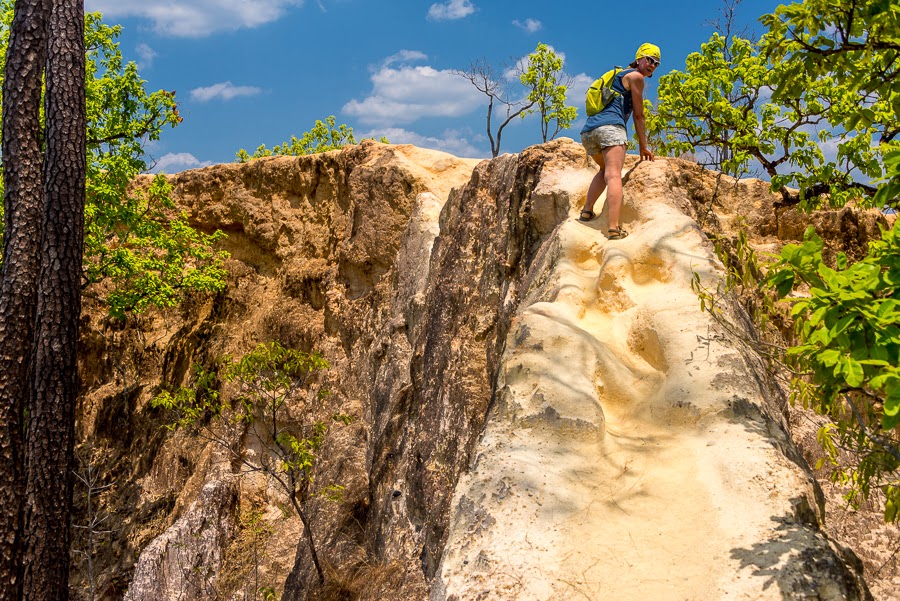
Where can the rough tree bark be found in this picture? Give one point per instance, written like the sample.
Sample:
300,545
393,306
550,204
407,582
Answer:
22,177
51,421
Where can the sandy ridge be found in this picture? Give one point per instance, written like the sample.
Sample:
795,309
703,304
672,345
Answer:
632,453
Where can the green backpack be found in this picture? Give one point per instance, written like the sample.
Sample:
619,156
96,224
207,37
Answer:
601,92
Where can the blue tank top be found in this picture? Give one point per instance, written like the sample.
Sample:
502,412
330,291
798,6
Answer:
616,112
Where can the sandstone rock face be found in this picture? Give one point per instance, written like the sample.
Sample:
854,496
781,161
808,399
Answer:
634,451
540,413
329,252
182,562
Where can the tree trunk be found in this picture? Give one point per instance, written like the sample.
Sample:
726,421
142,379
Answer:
294,585
309,539
51,427
495,148
22,177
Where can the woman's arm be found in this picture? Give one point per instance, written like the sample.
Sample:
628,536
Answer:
634,82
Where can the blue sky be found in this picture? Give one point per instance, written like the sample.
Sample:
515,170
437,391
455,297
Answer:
251,72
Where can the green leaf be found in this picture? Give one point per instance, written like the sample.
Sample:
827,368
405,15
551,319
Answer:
842,324
799,308
874,362
891,507
818,315
783,281
854,372
829,357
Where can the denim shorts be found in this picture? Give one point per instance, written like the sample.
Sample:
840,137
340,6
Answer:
603,137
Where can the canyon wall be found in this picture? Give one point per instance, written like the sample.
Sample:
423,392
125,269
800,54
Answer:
539,412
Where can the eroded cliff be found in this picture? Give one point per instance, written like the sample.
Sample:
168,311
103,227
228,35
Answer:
540,412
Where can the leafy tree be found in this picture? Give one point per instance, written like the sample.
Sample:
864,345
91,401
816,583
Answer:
321,138
856,43
721,103
833,64
142,251
543,76
849,327
135,241
714,156
544,86
267,378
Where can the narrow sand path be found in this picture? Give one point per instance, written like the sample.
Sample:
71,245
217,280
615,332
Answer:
628,456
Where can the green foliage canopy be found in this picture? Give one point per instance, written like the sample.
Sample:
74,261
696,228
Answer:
543,78
849,342
321,138
722,103
857,42
137,247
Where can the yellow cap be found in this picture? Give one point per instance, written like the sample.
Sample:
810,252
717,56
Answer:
647,49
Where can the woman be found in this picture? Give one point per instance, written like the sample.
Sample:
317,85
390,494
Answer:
604,136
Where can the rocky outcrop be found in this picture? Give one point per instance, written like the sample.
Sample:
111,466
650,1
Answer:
536,407
184,562
427,424
635,450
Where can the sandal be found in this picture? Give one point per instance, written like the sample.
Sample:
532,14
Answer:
590,215
617,233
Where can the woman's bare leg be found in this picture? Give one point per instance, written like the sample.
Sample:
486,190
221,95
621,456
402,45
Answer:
614,159
598,184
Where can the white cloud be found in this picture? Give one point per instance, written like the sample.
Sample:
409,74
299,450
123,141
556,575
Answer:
577,90
406,94
452,9
195,18
225,90
175,162
146,54
404,56
452,141
529,25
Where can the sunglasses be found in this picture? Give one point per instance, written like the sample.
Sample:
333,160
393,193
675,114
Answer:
653,61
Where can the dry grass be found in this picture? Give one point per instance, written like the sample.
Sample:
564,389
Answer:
363,582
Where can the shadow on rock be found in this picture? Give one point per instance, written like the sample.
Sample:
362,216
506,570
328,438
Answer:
801,563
